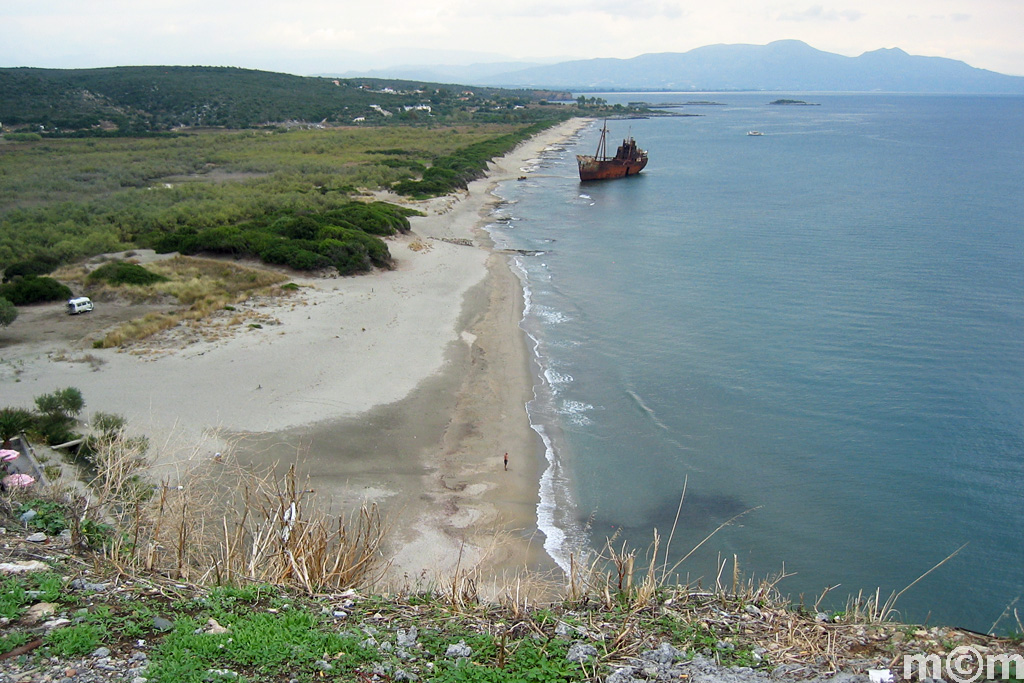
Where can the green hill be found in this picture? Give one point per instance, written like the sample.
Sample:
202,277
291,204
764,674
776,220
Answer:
158,98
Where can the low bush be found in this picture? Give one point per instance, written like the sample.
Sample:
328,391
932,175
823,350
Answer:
23,137
13,421
33,290
348,257
40,265
8,312
377,218
336,237
347,238
123,273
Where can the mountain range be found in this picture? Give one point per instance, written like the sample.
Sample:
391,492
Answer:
785,65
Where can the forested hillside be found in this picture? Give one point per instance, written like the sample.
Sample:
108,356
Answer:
141,99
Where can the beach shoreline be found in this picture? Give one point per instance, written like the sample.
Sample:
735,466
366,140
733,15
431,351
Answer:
403,388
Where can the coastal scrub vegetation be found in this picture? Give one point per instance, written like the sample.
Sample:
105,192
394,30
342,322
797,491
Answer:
103,160
454,171
347,237
67,199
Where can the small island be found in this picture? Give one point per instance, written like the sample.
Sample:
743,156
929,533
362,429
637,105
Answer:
799,103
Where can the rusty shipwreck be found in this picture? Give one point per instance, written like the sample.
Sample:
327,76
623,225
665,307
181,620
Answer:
628,160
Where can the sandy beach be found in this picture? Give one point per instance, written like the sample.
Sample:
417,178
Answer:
403,387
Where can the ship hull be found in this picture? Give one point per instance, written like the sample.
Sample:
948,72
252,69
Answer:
595,169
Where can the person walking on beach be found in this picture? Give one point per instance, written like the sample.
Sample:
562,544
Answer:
506,462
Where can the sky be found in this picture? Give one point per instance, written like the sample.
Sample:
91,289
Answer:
321,36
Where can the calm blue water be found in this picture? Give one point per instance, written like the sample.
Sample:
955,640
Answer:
823,325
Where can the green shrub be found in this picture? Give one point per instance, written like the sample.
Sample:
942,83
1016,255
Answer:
57,415
303,242
374,248
108,424
184,240
348,257
13,421
23,137
258,241
55,430
377,218
8,312
297,227
223,239
40,265
65,403
32,290
303,259
123,273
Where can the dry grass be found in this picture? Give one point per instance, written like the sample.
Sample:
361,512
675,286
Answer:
94,362
611,577
222,523
225,524
872,609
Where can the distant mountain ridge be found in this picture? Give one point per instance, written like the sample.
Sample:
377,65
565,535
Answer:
785,65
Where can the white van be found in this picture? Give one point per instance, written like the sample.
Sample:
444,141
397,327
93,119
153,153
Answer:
82,304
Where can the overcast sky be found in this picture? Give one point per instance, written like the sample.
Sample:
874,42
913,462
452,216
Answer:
320,36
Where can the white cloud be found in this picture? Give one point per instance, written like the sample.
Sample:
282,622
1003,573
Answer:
307,34
819,13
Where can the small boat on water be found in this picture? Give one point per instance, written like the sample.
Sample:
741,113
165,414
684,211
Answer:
628,160
755,133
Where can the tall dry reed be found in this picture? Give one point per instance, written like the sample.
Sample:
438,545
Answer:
220,522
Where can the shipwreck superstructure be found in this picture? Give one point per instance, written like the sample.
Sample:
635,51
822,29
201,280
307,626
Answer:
628,160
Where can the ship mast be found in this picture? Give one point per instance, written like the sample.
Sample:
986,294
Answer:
602,152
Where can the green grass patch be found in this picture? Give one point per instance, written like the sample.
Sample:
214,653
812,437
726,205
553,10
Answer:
74,640
9,641
19,592
262,645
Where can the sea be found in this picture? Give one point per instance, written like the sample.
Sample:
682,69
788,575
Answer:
817,333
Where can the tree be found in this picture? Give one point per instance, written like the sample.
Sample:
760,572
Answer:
62,403
58,413
8,312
